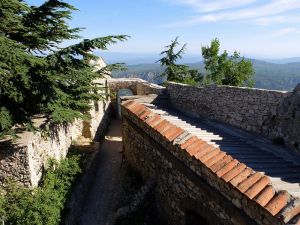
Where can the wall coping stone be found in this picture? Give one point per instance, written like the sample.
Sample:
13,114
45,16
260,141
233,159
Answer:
255,187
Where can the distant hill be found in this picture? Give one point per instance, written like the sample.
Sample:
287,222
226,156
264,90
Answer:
283,61
267,75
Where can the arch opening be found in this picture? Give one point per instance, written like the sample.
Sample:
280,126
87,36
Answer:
122,93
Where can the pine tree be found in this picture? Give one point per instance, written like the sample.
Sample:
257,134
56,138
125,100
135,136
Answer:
175,72
225,69
36,75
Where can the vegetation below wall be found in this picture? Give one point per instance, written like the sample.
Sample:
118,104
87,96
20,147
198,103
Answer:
147,212
43,205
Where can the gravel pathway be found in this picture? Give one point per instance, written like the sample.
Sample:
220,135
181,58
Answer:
98,205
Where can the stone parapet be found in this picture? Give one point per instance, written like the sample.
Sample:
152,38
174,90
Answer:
274,114
196,178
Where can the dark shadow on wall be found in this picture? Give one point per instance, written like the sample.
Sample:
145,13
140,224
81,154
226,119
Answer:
193,218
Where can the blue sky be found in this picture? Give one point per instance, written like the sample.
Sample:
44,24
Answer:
255,28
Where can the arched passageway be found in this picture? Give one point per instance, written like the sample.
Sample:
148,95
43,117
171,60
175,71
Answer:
120,93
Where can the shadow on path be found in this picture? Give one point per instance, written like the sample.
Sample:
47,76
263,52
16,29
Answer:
98,204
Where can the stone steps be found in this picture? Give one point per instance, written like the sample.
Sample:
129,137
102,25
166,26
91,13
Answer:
284,174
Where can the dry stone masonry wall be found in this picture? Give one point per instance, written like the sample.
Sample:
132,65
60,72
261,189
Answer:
192,180
25,158
275,114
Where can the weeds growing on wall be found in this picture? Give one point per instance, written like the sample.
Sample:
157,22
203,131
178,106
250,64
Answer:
42,205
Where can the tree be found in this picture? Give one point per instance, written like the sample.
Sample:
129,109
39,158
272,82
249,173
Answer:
224,69
36,75
174,72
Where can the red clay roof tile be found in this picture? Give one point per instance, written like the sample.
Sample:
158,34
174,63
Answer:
188,142
154,120
265,196
177,132
241,177
246,184
277,202
145,113
127,103
215,159
258,187
291,211
227,168
234,172
220,164
210,154
204,150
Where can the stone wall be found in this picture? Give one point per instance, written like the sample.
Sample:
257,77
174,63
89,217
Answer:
136,85
190,187
274,114
25,158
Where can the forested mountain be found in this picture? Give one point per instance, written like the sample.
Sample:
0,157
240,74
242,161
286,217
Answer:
267,75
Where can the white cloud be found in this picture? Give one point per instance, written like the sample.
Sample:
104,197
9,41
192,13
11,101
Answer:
265,21
273,12
283,32
214,5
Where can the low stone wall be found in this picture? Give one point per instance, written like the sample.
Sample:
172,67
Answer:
136,85
191,187
274,114
25,158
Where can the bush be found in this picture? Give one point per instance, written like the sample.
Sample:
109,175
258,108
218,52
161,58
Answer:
42,205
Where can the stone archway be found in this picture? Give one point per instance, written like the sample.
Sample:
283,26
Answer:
121,93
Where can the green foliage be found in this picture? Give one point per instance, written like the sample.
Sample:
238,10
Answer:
41,205
36,75
175,72
224,69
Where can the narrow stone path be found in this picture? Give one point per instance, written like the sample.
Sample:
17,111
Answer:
98,205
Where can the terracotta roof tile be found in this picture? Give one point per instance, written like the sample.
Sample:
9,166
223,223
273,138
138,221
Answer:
214,159
241,177
220,164
265,196
138,109
154,120
177,132
127,103
210,154
246,184
291,211
161,125
144,114
277,202
227,168
204,150
165,128
195,147
258,187
188,142
234,172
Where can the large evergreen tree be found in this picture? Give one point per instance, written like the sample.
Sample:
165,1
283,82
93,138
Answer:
176,72
36,75
225,69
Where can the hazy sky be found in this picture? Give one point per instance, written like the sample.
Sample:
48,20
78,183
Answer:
256,28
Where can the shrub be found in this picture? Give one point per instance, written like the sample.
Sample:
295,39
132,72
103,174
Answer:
41,205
